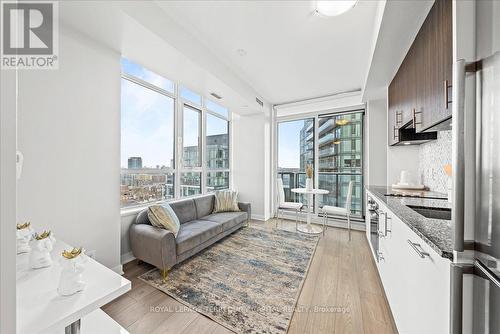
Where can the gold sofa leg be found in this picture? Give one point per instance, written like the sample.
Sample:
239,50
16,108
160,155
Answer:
164,273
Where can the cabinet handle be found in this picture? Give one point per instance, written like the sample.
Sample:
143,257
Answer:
416,247
446,87
386,229
399,117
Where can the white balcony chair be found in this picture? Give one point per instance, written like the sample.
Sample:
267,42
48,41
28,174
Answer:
338,211
286,206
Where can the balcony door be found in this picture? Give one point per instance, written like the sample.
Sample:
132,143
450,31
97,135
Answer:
333,145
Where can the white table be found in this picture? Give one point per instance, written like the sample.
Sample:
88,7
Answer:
41,309
309,228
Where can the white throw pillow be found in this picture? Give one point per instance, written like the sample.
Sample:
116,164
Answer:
163,216
226,201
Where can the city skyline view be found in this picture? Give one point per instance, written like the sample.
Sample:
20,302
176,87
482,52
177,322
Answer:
147,125
148,156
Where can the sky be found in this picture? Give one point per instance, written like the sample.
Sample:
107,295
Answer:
147,120
289,144
147,126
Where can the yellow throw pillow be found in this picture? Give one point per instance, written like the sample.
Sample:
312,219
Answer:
226,201
163,216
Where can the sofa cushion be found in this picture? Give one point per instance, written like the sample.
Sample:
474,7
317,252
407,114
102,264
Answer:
195,232
227,219
204,205
184,209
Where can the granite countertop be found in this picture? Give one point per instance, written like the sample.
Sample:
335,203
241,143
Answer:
436,233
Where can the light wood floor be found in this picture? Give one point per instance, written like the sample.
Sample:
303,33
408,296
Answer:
342,293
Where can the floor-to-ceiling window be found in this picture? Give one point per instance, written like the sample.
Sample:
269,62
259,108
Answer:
339,157
147,137
340,154
174,141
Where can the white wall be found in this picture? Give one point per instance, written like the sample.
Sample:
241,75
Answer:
125,248
8,202
252,161
69,132
375,159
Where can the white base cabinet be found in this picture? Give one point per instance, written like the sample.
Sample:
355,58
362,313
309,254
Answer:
417,288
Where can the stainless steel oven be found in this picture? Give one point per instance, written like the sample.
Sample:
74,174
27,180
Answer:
373,216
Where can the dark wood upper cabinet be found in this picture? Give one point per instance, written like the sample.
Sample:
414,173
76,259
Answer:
419,96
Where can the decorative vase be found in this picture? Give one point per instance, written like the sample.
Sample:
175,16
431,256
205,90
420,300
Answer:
72,263
40,253
24,233
309,184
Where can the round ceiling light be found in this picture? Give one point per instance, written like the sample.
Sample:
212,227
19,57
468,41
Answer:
334,8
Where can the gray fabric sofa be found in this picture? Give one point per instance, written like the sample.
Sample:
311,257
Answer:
199,229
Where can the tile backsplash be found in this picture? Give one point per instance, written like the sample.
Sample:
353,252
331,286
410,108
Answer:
433,156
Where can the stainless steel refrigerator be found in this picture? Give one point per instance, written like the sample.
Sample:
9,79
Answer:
475,272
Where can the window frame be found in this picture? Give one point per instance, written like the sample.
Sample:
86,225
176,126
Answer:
178,168
317,115
204,138
200,135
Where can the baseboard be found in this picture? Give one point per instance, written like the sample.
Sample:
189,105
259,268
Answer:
258,217
118,269
127,257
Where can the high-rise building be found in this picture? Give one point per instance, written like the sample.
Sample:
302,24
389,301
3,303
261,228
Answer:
307,144
217,157
134,163
217,151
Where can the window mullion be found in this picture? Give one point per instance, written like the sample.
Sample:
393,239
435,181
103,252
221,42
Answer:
316,161
178,143
203,148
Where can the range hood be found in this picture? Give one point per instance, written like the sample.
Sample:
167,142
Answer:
408,135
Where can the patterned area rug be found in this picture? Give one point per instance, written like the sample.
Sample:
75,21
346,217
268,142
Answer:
248,282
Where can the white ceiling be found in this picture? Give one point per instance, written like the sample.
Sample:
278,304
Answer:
291,53
142,32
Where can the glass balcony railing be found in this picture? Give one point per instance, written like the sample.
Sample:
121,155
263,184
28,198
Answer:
326,138
327,151
336,183
328,123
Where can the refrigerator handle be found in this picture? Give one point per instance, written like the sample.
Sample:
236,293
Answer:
456,299
458,155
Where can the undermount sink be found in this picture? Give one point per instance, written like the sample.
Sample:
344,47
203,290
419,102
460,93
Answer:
431,212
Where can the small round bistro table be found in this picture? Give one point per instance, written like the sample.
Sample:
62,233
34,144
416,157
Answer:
309,228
